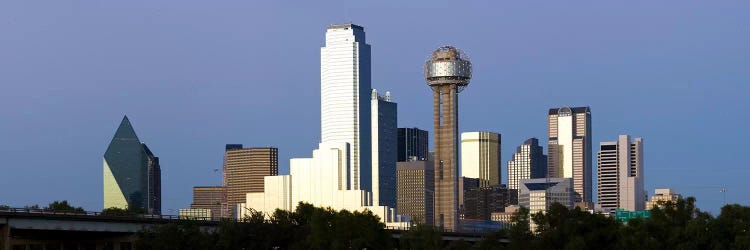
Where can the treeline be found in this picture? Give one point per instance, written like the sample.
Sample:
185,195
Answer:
675,226
55,206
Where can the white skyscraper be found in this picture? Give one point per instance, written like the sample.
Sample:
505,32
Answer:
480,157
620,174
345,98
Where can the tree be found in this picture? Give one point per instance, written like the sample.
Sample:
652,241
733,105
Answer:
63,206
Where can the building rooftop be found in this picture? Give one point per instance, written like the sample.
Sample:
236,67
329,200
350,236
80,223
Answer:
345,26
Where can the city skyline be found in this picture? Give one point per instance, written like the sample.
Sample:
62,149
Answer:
184,118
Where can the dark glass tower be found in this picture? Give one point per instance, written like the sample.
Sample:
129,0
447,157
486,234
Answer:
132,175
412,144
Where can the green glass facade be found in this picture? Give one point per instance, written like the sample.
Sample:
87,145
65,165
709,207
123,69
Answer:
132,175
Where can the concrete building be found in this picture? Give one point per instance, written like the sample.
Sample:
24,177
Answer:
569,148
506,216
345,99
416,183
448,72
213,198
661,196
131,173
529,162
195,214
480,157
620,175
481,202
245,169
384,149
412,144
538,194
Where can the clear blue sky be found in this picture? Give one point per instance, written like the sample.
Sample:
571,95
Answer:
195,75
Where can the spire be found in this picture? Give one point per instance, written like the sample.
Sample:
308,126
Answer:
125,131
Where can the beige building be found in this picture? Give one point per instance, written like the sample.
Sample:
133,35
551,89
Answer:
212,198
415,190
661,196
620,175
569,148
245,169
507,216
480,157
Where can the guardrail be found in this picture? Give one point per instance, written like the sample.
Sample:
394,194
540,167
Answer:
40,211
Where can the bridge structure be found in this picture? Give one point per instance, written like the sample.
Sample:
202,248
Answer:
26,229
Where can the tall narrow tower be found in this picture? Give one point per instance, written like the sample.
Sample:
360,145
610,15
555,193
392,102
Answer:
447,72
345,99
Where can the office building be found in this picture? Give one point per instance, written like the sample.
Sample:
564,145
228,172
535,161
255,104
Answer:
448,72
245,170
213,198
506,216
416,182
481,202
132,174
529,162
384,149
661,196
194,214
538,194
412,144
480,157
345,98
338,175
620,175
569,148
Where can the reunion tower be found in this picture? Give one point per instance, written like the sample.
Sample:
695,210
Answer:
448,72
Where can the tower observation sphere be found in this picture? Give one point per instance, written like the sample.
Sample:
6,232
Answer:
446,66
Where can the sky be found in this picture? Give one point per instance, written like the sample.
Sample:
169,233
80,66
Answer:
195,75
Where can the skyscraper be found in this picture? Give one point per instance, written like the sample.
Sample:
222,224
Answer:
132,175
448,72
415,190
245,170
480,157
529,162
384,147
569,148
620,174
345,98
412,144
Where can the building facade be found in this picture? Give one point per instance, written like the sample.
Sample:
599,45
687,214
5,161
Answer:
245,170
569,148
529,162
345,98
480,157
412,144
132,174
620,175
661,196
416,182
384,149
212,198
538,194
481,202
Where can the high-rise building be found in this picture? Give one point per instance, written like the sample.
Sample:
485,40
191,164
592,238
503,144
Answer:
412,144
480,157
529,162
569,148
448,72
661,196
538,194
384,149
212,198
245,170
345,98
415,190
132,175
620,174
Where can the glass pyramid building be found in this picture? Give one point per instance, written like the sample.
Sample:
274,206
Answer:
132,175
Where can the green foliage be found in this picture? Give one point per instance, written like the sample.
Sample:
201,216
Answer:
307,227
4,207
422,237
63,206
